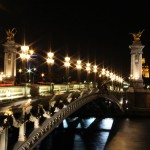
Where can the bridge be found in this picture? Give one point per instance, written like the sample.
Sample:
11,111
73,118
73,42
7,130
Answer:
29,113
43,114
33,111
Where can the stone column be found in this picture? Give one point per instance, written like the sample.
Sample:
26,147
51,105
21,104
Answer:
35,120
22,128
10,50
36,123
4,139
22,136
136,64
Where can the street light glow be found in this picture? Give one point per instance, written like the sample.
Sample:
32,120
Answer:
67,62
24,48
67,59
78,65
20,70
95,68
107,73
26,53
42,74
88,65
50,59
103,71
50,62
50,54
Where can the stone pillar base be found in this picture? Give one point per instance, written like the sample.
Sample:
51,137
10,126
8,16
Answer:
138,84
130,89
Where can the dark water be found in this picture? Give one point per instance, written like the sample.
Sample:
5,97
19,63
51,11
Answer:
92,134
131,134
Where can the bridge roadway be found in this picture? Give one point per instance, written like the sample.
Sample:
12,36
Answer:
54,109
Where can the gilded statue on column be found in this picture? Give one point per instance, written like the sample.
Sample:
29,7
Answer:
137,36
10,34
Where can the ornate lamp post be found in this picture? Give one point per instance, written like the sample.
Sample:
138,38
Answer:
25,55
79,67
101,79
95,73
111,75
50,62
31,71
67,65
88,69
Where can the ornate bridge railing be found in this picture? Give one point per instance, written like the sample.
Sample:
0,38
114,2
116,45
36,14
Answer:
14,92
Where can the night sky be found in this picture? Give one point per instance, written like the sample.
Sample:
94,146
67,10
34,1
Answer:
93,31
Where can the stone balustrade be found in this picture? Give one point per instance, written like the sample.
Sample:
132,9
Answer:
14,92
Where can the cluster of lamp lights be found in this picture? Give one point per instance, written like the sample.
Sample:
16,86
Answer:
111,75
67,62
88,66
50,59
26,54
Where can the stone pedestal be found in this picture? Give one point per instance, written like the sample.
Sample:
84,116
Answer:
138,85
10,50
136,65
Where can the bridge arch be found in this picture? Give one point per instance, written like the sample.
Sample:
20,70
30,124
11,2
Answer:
99,105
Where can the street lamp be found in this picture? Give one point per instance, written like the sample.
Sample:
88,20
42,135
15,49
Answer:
31,71
95,72
67,65
42,75
111,75
34,70
79,67
25,55
88,69
50,62
101,79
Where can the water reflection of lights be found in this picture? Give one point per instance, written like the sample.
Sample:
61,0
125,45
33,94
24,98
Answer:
87,122
80,142
81,139
106,123
101,140
65,124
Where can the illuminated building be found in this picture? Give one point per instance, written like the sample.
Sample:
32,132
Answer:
145,69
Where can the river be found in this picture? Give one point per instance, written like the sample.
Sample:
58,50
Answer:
126,134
